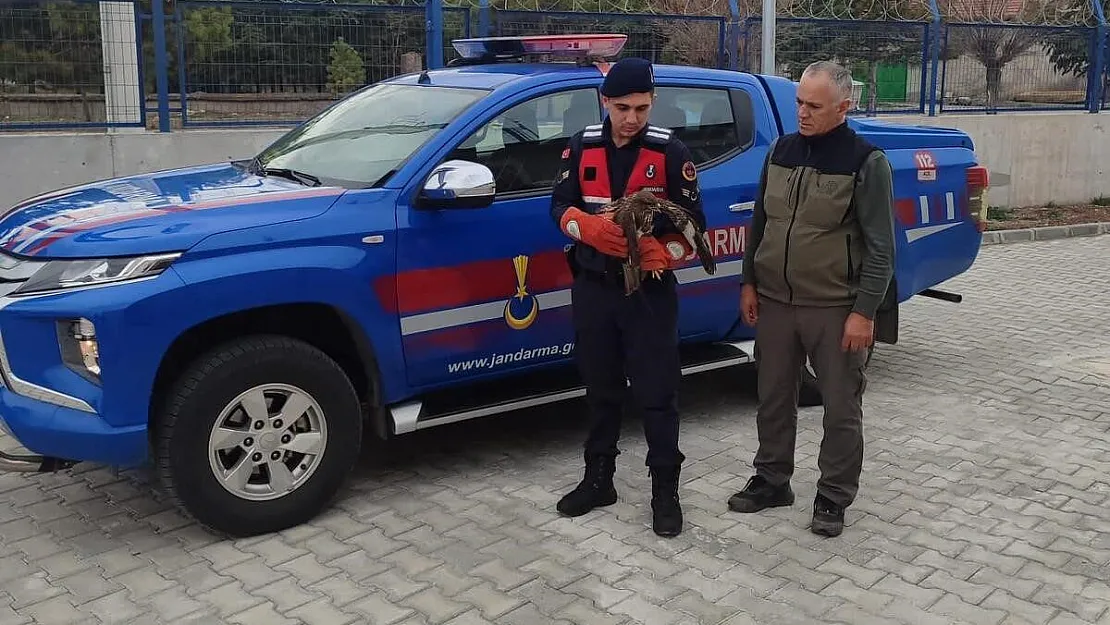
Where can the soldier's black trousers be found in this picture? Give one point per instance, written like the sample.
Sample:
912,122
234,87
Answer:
635,335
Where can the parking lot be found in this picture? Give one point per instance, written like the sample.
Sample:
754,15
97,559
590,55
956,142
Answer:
985,499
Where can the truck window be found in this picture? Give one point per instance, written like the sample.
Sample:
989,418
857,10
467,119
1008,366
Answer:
357,142
522,145
711,122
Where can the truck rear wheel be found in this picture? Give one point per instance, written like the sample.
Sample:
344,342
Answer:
258,435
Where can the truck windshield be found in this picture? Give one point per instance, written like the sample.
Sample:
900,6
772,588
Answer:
362,139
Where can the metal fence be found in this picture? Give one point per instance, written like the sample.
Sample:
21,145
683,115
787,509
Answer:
168,63
889,60
262,62
53,64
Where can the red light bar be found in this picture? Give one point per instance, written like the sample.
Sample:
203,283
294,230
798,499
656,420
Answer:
591,45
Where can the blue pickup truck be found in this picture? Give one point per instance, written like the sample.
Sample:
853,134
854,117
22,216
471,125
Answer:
388,266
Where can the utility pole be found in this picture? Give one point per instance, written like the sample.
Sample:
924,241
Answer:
768,37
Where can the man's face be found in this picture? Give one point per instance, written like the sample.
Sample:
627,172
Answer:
628,114
820,107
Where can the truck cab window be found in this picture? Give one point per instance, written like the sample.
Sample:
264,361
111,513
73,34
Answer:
705,119
523,144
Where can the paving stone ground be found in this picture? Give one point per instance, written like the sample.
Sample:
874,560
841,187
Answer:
985,500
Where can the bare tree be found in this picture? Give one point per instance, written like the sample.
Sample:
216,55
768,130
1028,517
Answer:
693,42
1009,35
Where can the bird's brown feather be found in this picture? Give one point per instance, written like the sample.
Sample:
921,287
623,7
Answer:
635,214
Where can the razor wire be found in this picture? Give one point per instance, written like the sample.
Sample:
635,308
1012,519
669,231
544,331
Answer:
1059,13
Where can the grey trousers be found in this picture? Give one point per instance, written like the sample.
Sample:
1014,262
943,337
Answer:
785,335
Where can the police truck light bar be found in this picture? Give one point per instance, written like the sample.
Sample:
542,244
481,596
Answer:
596,46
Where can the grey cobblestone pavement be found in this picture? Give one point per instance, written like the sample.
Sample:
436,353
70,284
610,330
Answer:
985,500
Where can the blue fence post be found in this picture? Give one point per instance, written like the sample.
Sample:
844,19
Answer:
161,65
182,83
745,24
483,18
733,35
925,56
722,38
935,10
433,12
1100,50
1104,91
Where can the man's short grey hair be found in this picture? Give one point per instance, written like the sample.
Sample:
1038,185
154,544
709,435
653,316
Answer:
838,74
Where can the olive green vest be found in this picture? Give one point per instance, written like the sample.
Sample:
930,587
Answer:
811,249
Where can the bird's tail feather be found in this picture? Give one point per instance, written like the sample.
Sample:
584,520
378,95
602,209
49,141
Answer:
697,240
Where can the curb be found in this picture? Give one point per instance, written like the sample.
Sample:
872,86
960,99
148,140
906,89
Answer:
1045,233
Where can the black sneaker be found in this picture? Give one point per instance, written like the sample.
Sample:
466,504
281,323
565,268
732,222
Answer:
595,490
828,518
758,494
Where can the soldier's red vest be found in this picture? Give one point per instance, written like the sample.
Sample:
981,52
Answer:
649,172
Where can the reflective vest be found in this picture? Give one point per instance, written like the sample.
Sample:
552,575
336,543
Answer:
649,172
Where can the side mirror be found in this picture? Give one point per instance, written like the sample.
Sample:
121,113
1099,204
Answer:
458,184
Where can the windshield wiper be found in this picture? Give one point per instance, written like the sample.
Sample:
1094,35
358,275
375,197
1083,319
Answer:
297,176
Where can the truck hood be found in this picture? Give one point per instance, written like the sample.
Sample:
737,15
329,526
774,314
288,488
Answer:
159,212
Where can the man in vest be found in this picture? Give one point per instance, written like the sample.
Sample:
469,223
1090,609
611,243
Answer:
619,335
817,269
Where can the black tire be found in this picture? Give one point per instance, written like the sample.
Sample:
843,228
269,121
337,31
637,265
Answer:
210,384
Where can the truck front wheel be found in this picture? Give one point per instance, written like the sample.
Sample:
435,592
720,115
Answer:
258,435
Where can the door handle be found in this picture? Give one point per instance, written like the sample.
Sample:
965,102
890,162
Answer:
742,207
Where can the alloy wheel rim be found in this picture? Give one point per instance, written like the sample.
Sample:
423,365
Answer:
267,442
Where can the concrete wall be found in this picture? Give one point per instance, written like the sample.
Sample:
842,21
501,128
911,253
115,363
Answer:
1034,158
1037,158
41,162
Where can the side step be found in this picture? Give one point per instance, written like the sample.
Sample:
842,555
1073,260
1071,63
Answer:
539,388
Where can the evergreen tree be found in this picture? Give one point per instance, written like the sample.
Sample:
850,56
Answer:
345,72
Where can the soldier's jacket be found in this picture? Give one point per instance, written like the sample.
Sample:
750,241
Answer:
823,226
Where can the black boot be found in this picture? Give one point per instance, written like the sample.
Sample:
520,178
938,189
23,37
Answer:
595,490
828,517
759,494
666,513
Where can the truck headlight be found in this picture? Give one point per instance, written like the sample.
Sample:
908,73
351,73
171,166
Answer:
57,275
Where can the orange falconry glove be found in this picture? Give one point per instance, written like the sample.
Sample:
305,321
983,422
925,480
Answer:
666,252
597,231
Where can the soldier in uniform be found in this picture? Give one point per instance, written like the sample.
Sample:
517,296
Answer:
618,335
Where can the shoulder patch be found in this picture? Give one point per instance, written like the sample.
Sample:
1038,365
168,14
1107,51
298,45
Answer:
689,172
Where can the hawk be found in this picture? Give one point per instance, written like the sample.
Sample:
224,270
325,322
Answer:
635,214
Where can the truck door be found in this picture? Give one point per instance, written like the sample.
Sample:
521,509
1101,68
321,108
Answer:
728,142
486,291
